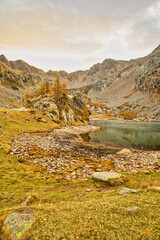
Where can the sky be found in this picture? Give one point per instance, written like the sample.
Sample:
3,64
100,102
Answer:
75,34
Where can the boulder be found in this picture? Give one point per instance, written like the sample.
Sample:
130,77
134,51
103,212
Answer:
111,178
17,224
46,104
125,190
125,151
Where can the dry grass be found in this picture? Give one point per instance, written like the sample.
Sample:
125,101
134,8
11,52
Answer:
67,209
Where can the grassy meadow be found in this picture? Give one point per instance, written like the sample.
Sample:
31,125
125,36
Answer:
76,209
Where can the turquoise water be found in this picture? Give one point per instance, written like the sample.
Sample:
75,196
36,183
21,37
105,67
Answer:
143,135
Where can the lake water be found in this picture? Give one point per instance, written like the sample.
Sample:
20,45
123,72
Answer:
143,135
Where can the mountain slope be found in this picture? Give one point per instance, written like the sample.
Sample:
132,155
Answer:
13,85
21,65
114,82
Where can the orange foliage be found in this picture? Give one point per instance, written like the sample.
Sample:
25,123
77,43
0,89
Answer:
144,114
85,115
57,90
130,115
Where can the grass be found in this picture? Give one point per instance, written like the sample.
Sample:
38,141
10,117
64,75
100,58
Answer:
67,210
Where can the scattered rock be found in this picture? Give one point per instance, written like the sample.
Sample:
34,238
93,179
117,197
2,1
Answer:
125,190
132,208
26,201
88,190
18,224
125,151
45,148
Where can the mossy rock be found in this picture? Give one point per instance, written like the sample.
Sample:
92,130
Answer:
17,224
110,178
125,190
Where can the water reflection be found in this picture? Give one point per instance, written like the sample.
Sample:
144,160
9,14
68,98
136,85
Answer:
127,134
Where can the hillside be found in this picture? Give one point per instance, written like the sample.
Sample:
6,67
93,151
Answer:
13,85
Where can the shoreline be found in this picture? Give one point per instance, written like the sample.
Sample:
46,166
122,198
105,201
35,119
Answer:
126,120
64,153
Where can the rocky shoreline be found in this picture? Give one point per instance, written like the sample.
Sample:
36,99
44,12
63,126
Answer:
126,120
63,153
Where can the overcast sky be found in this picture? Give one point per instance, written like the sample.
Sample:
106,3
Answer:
75,34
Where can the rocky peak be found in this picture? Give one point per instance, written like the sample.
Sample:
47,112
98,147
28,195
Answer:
21,65
4,59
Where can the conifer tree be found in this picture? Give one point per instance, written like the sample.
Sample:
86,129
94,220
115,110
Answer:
26,99
42,89
85,115
65,96
57,91
47,87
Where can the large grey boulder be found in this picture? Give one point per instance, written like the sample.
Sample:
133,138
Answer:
111,178
17,224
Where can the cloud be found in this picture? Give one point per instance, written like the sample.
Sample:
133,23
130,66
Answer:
84,29
146,33
63,24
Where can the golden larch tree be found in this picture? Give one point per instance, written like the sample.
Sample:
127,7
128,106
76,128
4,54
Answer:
57,91
65,97
85,115
47,87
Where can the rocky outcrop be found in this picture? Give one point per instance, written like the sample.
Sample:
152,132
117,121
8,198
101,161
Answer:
68,114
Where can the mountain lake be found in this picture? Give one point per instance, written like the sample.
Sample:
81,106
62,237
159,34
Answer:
128,134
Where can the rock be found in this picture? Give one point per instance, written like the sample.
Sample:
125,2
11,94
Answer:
125,190
23,109
26,201
157,189
70,115
88,190
132,208
125,151
46,103
64,116
18,224
111,178
43,120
